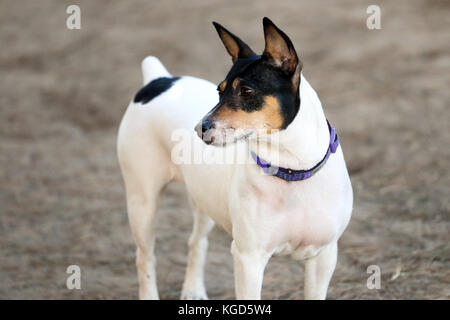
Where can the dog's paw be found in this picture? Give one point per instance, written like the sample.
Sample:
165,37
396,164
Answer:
194,295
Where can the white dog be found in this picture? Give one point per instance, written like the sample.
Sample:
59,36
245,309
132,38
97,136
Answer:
286,192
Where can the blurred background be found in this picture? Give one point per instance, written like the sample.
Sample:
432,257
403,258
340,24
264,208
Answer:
63,93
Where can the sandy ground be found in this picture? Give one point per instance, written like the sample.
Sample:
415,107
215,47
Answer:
63,93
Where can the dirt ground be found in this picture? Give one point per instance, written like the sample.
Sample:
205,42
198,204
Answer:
63,93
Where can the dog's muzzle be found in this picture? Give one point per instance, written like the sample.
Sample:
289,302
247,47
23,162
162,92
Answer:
204,130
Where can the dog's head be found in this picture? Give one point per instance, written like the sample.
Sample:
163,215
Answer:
260,94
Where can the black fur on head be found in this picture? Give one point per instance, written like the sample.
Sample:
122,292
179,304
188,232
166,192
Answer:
260,92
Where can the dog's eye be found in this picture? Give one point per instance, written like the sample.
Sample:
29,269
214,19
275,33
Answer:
246,91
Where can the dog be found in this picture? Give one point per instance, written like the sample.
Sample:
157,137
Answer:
289,193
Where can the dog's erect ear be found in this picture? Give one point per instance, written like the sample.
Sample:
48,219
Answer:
280,51
235,46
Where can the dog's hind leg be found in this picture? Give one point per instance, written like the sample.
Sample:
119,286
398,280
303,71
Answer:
194,286
142,215
318,272
144,181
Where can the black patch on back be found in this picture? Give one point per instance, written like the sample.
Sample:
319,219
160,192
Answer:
154,88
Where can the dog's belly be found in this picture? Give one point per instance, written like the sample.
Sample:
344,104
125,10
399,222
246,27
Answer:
298,253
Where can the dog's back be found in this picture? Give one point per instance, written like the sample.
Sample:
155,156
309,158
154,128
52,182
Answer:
167,102
164,104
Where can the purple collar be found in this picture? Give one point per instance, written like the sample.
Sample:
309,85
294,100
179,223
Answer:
297,175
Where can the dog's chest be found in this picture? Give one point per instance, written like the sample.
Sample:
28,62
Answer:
301,217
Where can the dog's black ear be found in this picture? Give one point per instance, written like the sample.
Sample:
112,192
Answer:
235,46
280,51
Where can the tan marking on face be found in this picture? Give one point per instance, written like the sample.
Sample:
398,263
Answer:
268,118
222,86
235,83
272,111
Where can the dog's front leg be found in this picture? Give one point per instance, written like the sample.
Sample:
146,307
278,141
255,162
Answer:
249,268
318,272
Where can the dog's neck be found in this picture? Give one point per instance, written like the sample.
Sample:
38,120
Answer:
304,142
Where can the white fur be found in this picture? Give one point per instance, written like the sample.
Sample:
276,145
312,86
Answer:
265,215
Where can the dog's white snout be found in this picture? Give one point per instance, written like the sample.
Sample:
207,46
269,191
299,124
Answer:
206,131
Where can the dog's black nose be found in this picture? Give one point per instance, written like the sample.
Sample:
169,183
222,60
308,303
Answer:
207,125
203,126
